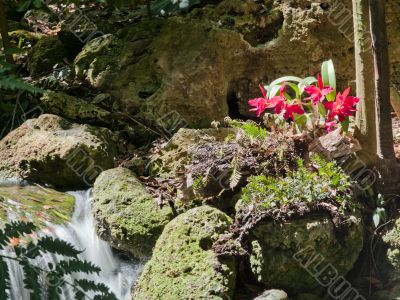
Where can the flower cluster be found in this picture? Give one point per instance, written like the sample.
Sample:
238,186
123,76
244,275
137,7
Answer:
319,106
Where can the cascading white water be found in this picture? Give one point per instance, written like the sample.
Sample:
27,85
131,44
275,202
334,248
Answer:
117,274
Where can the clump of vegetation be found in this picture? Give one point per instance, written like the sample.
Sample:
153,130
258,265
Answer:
17,244
326,182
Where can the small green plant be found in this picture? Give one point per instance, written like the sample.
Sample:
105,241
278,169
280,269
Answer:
251,129
15,237
327,182
380,213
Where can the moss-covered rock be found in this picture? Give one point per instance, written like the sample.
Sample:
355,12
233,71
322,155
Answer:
183,265
36,204
52,150
21,37
45,54
74,108
282,253
209,63
175,155
127,216
392,259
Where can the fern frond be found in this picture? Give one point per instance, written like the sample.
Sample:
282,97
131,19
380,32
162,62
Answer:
49,244
75,265
4,279
31,279
15,83
15,229
236,175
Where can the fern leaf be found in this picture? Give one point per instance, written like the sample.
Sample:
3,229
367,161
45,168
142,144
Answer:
236,175
4,279
15,229
14,83
89,285
75,265
57,246
31,279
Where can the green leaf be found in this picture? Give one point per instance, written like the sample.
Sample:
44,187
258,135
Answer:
24,5
4,279
329,78
322,109
274,90
295,88
31,279
75,265
306,82
345,124
49,244
286,79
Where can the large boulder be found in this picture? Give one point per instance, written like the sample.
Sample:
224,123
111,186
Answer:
127,216
35,204
207,64
174,156
52,150
301,254
184,266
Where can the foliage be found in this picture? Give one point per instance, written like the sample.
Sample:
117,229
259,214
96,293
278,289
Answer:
8,81
16,245
326,182
323,106
13,112
252,130
380,214
157,6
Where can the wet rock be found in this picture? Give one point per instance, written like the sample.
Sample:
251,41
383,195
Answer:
272,295
36,204
127,216
183,265
282,253
52,150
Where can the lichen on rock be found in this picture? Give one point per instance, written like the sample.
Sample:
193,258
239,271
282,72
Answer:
183,266
52,150
280,252
127,216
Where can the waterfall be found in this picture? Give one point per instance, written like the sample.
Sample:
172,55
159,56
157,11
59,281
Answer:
116,273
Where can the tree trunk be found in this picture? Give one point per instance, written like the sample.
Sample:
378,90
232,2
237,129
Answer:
387,167
380,53
365,130
4,33
373,119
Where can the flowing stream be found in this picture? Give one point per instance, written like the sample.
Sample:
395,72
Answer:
116,273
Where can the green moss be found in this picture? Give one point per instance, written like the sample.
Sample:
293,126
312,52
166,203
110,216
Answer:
327,183
183,265
127,216
274,245
21,37
45,54
37,204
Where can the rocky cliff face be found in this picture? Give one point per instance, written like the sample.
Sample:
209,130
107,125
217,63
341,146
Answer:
206,65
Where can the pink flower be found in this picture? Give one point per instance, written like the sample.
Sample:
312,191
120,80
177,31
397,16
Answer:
292,109
317,94
342,107
330,125
261,104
